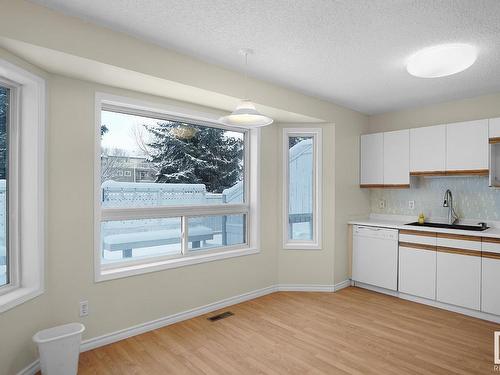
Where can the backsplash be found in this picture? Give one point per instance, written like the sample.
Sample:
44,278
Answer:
473,199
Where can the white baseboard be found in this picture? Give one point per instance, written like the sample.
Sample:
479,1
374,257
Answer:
343,284
31,369
313,287
305,288
433,303
110,338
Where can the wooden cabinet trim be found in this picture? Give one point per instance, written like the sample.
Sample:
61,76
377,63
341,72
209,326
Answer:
494,140
469,172
487,254
417,233
369,186
452,250
397,186
418,246
491,240
462,237
428,173
465,172
382,186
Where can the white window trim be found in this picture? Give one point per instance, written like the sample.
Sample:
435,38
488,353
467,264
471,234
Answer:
27,187
315,243
251,208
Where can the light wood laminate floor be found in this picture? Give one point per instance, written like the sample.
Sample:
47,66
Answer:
353,331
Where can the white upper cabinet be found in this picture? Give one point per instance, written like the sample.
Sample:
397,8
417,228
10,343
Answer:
428,149
494,127
467,146
372,159
397,158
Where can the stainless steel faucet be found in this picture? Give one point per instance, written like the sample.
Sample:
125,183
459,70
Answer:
448,202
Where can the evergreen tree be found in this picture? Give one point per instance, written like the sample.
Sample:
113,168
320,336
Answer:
4,96
193,154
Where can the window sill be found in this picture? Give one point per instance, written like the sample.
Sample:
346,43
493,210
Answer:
17,296
132,270
302,246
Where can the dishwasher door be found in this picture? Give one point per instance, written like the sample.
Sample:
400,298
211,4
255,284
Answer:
375,256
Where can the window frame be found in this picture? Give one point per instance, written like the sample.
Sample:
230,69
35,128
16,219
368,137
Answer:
250,207
26,184
316,242
12,203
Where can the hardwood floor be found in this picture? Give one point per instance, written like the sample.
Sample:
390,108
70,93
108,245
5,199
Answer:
353,331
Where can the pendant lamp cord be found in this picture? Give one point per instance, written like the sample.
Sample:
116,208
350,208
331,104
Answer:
246,75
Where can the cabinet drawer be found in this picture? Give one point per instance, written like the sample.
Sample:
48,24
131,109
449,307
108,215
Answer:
491,245
456,241
417,237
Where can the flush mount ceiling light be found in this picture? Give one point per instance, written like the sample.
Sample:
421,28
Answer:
246,115
442,60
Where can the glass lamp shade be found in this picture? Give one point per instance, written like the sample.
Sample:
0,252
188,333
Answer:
247,116
441,60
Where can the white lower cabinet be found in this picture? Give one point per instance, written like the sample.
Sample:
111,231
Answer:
417,272
458,280
490,301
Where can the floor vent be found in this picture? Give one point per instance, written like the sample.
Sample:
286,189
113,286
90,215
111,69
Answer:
220,316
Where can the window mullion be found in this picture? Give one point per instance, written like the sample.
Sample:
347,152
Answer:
184,235
171,211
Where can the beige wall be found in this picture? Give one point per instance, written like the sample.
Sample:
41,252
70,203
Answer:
121,303
311,267
125,302
486,106
341,201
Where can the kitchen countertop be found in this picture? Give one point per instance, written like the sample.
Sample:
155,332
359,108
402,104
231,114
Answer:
399,222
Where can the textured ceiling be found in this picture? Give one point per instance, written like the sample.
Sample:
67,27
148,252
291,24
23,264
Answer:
351,52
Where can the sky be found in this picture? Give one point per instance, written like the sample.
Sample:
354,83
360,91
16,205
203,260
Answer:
120,134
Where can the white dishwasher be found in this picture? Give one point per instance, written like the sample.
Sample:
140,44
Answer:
375,256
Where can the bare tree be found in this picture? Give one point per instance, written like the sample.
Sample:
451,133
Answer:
139,133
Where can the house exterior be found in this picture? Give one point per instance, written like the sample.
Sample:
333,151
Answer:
127,169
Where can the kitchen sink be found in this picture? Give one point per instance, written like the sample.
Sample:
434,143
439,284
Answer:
478,228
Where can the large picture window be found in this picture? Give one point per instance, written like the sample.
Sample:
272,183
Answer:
301,188
170,188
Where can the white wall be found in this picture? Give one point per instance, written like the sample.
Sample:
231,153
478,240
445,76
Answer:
487,106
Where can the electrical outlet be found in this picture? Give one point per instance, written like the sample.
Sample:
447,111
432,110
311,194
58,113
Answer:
411,205
381,204
84,308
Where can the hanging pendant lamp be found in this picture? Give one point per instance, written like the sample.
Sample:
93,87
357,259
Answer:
246,115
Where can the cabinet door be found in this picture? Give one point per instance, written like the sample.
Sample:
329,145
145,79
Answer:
372,159
490,301
494,127
397,158
417,272
428,149
467,146
458,280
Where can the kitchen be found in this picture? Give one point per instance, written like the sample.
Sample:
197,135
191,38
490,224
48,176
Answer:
433,236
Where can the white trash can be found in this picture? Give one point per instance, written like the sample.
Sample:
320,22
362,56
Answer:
59,349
